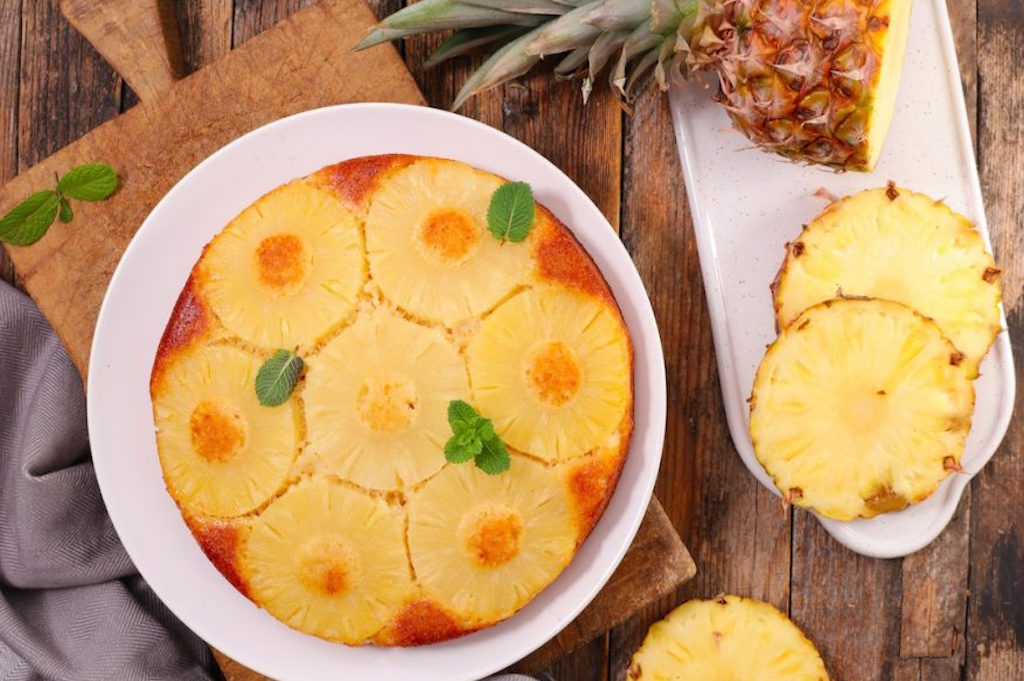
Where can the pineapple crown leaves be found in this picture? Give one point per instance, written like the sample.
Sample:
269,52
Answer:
277,378
651,37
28,221
511,212
473,438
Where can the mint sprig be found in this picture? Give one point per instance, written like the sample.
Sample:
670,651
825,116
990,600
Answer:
510,214
27,222
277,378
473,438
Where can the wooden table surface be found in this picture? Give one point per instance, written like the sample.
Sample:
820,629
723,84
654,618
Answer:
953,611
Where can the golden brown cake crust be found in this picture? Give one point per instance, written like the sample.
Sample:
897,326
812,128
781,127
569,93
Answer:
590,479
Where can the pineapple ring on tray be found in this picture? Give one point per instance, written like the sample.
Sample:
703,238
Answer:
377,399
860,407
329,561
222,453
551,368
427,222
287,269
898,245
356,509
483,545
727,637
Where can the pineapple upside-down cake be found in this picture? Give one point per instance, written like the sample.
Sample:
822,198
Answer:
337,510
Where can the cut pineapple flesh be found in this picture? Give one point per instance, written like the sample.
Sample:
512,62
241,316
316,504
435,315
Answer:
222,453
899,245
338,511
483,545
860,407
551,368
428,223
329,561
726,639
377,400
287,269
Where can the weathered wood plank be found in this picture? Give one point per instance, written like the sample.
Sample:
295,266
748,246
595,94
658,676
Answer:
847,604
67,88
204,27
996,616
252,17
10,72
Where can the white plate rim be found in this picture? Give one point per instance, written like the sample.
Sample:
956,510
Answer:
645,448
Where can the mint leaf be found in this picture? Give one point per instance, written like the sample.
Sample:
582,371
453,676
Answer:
473,437
494,458
65,211
277,378
89,182
510,215
27,222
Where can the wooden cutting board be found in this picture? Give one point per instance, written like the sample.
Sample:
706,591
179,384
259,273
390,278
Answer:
302,63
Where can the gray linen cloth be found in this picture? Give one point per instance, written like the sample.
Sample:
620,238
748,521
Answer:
72,607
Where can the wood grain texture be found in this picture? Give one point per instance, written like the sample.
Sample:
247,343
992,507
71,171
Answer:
10,73
204,27
995,624
139,38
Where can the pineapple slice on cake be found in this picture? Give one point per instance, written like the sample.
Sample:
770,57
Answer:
329,561
482,545
377,397
428,245
551,368
223,454
860,407
287,269
899,245
726,639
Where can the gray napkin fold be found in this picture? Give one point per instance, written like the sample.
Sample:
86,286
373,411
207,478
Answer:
71,605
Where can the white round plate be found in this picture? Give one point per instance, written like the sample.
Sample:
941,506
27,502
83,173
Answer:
138,303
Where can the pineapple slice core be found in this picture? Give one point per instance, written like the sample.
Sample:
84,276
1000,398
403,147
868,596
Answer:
386,405
325,565
860,407
553,373
283,261
448,237
219,432
223,453
492,534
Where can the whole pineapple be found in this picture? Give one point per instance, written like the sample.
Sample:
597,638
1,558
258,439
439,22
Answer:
812,80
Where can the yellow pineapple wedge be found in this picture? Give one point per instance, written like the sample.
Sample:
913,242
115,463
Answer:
287,269
377,397
899,245
726,639
552,369
329,560
860,407
483,546
223,454
428,223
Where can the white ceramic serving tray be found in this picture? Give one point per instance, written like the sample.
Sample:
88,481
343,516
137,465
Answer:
747,204
135,310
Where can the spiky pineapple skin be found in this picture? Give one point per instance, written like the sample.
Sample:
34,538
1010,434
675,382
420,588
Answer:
802,77
899,245
585,483
727,638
